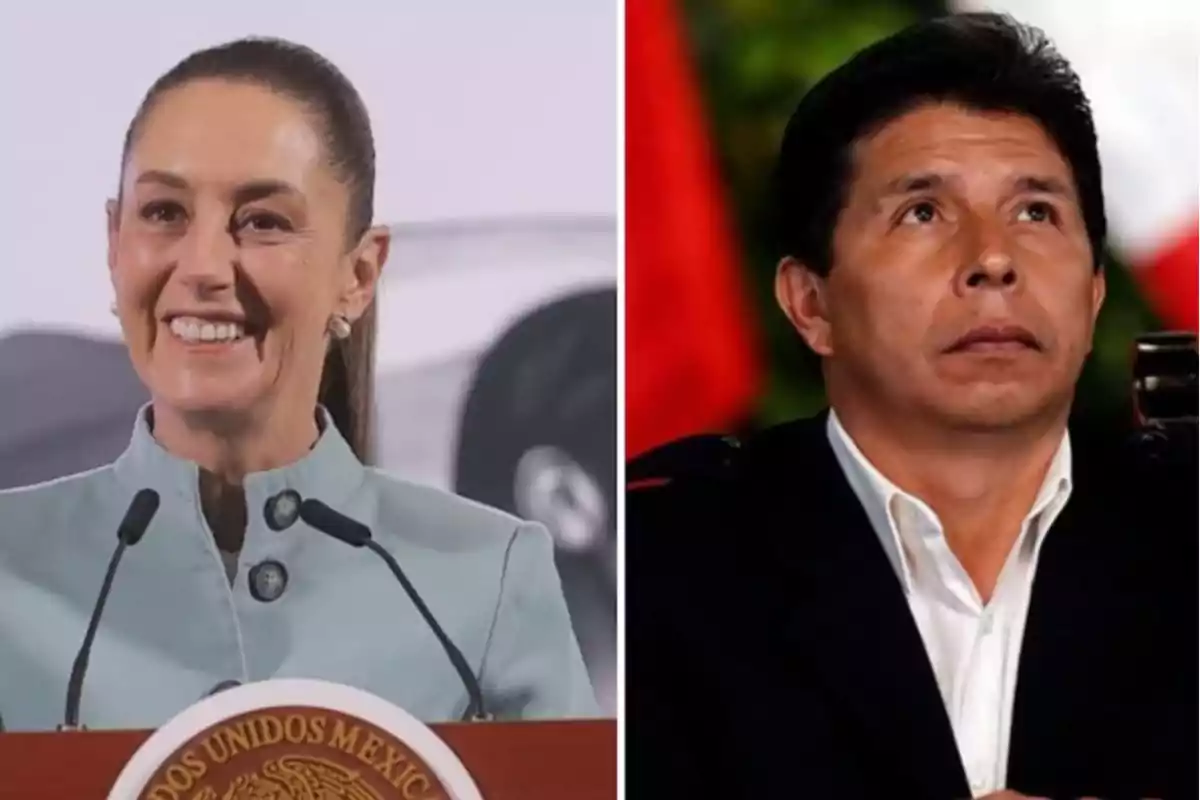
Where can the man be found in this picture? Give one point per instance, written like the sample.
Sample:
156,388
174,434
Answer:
931,590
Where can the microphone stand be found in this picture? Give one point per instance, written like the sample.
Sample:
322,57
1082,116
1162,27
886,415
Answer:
321,517
133,525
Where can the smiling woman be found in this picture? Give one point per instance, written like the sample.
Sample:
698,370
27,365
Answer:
268,154
244,266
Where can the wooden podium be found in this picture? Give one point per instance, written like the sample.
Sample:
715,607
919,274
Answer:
508,760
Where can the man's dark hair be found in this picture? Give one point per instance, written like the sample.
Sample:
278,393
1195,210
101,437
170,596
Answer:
298,72
984,62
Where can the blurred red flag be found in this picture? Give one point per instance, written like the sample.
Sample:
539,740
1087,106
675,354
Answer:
1169,279
691,363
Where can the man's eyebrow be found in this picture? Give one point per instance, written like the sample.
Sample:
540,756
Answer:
905,185
1043,184
912,183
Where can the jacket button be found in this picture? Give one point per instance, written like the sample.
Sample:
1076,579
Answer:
268,580
282,510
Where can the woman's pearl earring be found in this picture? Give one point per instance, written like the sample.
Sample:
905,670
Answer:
112,309
339,326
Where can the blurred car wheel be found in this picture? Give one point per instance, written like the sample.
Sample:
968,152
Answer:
553,488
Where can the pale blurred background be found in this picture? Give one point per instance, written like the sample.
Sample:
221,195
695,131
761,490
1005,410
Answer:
495,126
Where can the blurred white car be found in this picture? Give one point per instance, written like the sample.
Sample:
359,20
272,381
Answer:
497,378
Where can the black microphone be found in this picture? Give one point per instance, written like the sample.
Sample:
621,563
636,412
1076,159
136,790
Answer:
323,518
137,518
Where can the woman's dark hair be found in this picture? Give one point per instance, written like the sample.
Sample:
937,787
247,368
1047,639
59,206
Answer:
985,62
295,71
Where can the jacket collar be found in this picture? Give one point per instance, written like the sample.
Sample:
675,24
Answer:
329,471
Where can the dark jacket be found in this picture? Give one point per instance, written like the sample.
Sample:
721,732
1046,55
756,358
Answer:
770,651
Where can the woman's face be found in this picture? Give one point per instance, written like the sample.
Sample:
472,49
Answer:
228,251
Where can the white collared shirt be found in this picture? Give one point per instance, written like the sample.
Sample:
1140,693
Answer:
974,648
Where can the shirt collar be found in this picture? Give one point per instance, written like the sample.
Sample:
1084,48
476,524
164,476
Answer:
329,471
878,495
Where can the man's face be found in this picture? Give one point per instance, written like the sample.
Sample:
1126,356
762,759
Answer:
962,286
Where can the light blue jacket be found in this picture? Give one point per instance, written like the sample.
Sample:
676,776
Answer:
174,627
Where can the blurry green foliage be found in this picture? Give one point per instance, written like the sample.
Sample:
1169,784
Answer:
755,59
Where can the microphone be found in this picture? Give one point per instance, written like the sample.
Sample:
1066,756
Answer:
333,523
137,518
